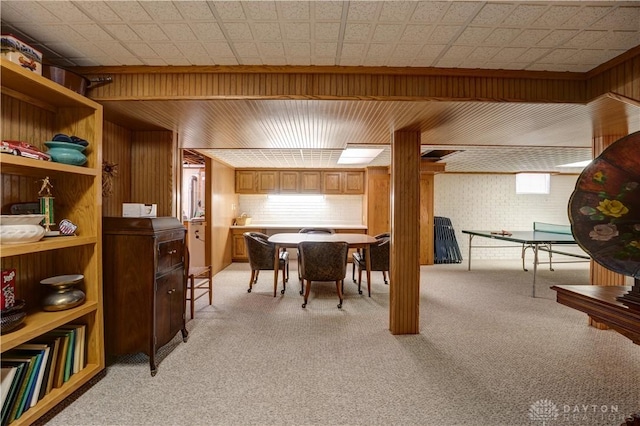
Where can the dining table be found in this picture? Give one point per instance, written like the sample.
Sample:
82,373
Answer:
291,240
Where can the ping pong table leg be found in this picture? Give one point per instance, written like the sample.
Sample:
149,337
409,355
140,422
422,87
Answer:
535,268
469,257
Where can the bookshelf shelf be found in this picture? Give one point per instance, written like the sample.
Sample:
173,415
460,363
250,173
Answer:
34,109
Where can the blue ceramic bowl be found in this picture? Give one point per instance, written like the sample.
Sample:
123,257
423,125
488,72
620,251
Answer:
67,153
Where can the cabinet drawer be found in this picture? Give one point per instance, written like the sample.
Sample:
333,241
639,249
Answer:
170,254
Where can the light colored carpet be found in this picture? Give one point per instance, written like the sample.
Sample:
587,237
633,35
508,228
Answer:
487,353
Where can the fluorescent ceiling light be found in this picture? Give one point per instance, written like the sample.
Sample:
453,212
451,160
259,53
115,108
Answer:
584,163
358,155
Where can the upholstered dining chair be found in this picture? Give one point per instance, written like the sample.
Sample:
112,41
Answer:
261,255
323,261
311,231
379,260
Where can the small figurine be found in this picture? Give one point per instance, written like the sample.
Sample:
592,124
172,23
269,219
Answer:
45,189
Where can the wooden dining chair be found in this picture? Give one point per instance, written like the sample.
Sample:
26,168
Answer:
261,255
199,283
311,231
379,255
323,261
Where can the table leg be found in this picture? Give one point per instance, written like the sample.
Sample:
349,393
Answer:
368,260
276,267
469,257
535,268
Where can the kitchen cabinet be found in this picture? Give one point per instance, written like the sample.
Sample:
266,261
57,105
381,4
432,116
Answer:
267,181
245,181
310,182
238,248
289,181
353,183
33,110
145,284
332,182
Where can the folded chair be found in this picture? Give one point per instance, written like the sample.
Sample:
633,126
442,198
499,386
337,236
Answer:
379,260
261,258
323,261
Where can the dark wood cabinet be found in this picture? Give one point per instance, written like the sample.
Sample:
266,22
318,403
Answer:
144,284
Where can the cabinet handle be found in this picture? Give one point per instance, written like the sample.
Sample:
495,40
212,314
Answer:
173,251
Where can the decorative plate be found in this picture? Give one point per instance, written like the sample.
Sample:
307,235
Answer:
21,219
12,321
604,208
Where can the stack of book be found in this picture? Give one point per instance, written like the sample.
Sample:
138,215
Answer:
31,370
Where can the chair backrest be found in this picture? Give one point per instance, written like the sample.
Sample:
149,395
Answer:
383,235
380,253
317,231
259,250
323,261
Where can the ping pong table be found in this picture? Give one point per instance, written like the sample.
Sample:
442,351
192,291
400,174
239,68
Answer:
542,238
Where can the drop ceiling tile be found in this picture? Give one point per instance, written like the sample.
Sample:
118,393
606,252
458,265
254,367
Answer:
294,10
115,49
560,56
327,30
260,10
252,61
205,31
431,50
218,49
141,50
324,60
509,54
459,12
66,11
483,53
357,32
387,32
328,10
349,61
363,11
449,63
53,32
529,37
268,31
557,38
238,30
555,16
325,49
162,10
10,14
624,18
298,50
501,36
457,52
191,50
246,49
585,38
429,11
492,14
473,35
297,31
524,15
178,60
443,34
155,62
396,11
229,10
403,50
595,56
353,49
149,32
166,50
194,10
100,11
35,12
416,33
179,32
122,32
226,60
617,40
87,62
533,54
586,16
271,49
130,11
380,50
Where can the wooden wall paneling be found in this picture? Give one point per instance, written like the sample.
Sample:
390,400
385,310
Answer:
404,300
426,218
378,200
152,170
620,76
116,149
219,215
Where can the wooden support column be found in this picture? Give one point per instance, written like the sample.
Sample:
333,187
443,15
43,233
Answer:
598,274
404,303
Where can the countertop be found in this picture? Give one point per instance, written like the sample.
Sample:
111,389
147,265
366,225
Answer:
296,227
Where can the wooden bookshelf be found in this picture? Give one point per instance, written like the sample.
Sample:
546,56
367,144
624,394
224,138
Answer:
34,109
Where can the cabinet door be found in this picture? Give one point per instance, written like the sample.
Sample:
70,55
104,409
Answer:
354,182
170,306
169,254
332,182
245,181
310,182
239,248
267,181
289,181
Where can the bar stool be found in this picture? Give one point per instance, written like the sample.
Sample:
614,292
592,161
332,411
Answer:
199,278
